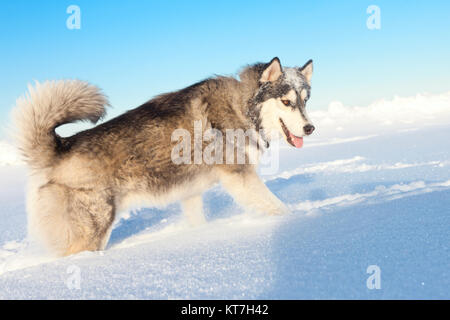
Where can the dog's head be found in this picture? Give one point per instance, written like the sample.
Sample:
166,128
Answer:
281,98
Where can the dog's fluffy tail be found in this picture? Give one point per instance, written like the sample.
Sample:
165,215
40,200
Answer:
48,105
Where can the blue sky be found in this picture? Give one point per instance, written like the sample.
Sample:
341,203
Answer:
134,50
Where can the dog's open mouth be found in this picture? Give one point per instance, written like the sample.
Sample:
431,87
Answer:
293,140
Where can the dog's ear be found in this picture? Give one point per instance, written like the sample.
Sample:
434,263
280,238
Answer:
307,70
272,71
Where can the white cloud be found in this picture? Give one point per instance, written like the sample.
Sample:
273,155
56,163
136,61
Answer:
9,155
397,114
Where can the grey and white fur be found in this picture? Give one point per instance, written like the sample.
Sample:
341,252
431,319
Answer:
78,183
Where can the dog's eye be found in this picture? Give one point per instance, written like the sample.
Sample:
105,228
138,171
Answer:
286,102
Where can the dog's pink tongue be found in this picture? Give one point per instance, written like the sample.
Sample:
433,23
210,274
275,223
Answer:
297,141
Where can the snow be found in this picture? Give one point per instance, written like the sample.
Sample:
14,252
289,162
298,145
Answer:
369,193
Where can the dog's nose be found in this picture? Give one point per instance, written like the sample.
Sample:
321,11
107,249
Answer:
309,128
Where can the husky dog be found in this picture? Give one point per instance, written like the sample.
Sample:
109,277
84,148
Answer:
78,183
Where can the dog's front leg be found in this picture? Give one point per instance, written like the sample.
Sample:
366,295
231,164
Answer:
193,210
250,192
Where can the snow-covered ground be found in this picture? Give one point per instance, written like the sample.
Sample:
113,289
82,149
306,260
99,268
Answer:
371,188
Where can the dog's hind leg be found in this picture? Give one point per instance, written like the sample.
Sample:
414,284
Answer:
71,220
248,190
193,210
92,215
